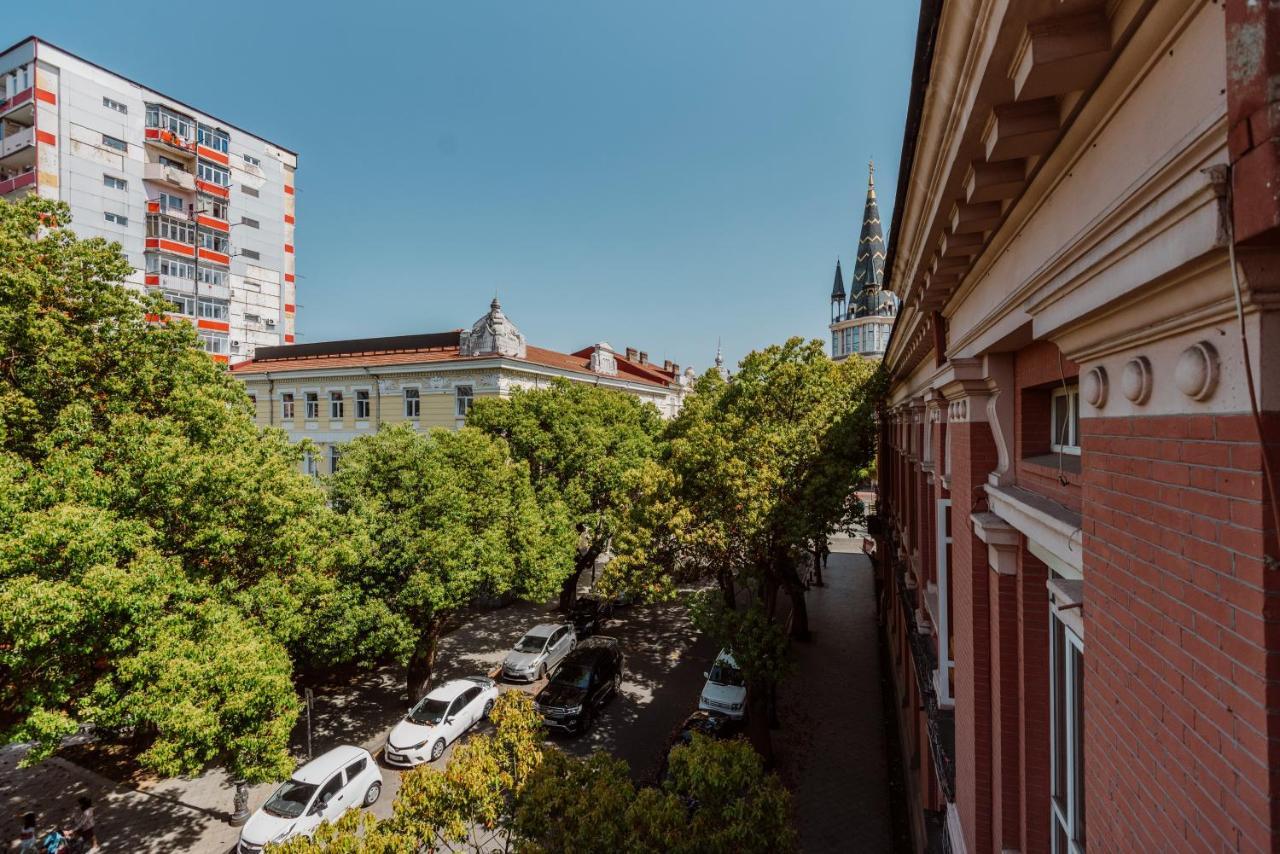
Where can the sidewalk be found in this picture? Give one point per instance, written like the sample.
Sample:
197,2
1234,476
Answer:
831,747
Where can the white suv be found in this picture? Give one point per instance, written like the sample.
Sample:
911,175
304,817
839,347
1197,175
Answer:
539,652
726,690
322,790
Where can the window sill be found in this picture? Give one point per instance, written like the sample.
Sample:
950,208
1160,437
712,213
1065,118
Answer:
1047,465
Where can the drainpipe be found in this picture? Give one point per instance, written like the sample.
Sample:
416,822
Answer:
271,401
377,399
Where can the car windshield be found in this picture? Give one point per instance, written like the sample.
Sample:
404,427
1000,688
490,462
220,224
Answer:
531,643
725,673
428,711
290,799
577,675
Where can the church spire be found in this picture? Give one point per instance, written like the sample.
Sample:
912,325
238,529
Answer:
837,289
868,272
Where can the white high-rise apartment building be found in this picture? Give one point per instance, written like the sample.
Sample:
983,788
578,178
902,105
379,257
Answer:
204,210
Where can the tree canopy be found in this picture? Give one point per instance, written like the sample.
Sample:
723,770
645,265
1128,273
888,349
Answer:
584,445
449,518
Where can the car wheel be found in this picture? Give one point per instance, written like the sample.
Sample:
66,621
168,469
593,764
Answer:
371,796
542,672
488,707
584,723
437,749
617,683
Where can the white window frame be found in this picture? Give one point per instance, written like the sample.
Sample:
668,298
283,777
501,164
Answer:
112,104
946,664
364,405
116,219
464,397
1066,808
1071,395
309,464
213,173
337,405
312,401
115,143
335,457
114,183
412,404
287,404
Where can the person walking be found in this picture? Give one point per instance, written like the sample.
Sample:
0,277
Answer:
27,841
82,831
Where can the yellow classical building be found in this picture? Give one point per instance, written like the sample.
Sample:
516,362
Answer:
333,391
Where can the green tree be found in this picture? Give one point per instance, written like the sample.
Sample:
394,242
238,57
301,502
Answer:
586,446
152,539
449,518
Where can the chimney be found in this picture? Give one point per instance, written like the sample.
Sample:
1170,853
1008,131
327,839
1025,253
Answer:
675,368
631,354
644,358
666,365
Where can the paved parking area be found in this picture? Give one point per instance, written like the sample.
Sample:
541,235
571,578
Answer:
664,662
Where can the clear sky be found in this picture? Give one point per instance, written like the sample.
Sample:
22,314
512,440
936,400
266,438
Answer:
655,174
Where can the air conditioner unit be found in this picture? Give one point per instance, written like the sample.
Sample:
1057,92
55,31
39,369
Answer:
270,322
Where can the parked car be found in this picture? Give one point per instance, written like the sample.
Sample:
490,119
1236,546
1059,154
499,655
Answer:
438,719
726,690
539,652
589,615
589,676
710,724
322,790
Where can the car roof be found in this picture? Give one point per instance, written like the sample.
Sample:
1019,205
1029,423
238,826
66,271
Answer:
450,689
594,649
322,767
727,657
544,628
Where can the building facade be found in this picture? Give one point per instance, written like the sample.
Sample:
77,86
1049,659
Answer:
203,210
1076,531
335,391
860,323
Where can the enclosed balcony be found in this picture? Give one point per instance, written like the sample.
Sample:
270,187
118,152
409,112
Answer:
165,174
170,131
14,140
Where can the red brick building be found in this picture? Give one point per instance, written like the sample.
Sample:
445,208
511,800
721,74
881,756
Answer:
1076,536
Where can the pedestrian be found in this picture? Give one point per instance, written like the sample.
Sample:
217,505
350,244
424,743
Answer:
27,841
82,830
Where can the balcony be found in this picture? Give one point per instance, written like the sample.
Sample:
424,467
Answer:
169,175
13,183
168,141
15,140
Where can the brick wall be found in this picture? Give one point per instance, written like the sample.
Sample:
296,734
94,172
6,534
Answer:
1180,615
1037,373
1033,697
973,458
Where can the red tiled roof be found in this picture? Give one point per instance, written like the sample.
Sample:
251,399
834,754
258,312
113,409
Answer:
578,362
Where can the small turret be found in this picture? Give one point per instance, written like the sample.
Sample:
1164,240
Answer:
837,295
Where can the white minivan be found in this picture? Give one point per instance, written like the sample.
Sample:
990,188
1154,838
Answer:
726,690
322,790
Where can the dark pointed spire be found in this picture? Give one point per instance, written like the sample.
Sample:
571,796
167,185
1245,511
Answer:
837,289
868,272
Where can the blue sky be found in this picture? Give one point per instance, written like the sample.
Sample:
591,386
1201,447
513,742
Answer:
656,174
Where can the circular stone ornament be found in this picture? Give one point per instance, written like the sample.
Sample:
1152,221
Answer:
1197,372
1135,381
1093,387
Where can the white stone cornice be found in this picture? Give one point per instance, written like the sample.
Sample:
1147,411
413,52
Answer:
1002,541
1055,527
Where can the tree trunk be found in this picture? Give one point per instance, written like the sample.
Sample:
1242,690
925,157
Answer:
423,661
569,590
727,589
799,613
819,558
758,723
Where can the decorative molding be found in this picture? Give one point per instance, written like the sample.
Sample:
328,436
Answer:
1135,380
1093,387
1000,414
1002,541
1196,374
1039,519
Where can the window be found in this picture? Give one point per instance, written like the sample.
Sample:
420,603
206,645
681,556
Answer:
835,343
114,105
252,161
167,266
214,138
215,208
182,304
412,403
213,309
856,343
330,789
362,404
248,191
112,142
170,202
252,318
946,637
166,119
286,406
251,253
170,229
335,456
1066,729
114,183
309,464
214,342
355,769
213,173
253,398
1065,418
463,399
215,240
116,218
313,405
171,163
252,223
211,276
335,404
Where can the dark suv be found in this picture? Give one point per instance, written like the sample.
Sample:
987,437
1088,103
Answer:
589,676
589,615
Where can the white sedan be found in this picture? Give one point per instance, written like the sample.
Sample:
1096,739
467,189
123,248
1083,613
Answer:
438,719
